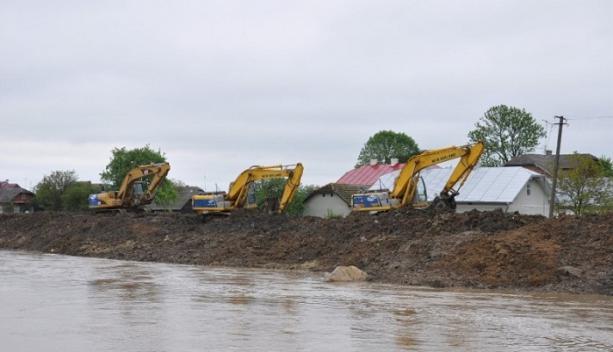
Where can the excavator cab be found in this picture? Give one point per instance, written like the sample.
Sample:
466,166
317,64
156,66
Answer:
138,189
381,200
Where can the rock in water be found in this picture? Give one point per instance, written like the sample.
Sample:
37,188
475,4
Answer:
346,273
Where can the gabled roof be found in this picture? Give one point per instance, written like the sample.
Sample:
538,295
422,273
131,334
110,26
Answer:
483,185
7,185
343,191
7,194
545,162
367,175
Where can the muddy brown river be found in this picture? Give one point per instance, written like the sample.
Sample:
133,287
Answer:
62,303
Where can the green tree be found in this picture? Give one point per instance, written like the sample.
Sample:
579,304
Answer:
507,132
167,193
123,160
584,188
75,196
385,145
271,190
607,165
50,189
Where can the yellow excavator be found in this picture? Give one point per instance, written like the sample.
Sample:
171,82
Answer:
134,191
405,185
239,195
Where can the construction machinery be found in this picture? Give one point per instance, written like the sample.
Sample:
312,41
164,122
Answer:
241,195
405,185
137,189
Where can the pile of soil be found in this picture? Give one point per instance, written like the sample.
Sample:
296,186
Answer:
474,249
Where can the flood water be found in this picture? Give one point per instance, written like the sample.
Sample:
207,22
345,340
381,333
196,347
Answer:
62,303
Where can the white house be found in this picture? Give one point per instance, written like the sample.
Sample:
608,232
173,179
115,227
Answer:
487,188
331,200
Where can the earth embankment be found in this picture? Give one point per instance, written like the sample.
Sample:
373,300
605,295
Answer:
475,249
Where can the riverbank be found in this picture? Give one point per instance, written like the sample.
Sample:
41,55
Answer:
478,250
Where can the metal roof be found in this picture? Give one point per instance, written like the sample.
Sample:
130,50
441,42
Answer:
545,162
367,175
484,184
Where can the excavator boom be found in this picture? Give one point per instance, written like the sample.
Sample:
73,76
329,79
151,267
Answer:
128,196
405,185
292,184
239,189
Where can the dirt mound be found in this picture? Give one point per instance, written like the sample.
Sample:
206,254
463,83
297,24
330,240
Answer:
475,249
569,253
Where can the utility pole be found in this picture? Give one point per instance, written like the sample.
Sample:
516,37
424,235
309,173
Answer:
556,162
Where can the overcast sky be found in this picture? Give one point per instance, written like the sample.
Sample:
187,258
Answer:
221,85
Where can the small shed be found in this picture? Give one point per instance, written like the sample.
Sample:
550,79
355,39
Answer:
331,200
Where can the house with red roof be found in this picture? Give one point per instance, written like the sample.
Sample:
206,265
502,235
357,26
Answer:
334,199
367,175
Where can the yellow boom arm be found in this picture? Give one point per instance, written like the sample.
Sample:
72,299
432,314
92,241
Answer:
237,194
125,197
239,188
159,172
406,183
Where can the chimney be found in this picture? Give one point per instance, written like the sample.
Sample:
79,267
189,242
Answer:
548,152
394,161
373,162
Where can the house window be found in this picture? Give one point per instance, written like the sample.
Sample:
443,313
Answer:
528,189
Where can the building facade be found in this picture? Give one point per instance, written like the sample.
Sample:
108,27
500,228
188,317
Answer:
331,200
14,199
511,189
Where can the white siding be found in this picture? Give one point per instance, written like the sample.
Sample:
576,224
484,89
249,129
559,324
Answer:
536,203
325,206
464,207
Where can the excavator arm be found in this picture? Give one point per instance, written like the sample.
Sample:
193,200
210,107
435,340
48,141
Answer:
126,197
237,193
464,167
159,172
405,185
292,184
239,189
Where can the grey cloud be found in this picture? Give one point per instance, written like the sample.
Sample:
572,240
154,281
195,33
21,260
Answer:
222,85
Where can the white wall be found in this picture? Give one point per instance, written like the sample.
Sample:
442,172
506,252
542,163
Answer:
464,207
324,206
536,203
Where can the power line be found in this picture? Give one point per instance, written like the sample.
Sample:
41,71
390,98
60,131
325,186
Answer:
590,118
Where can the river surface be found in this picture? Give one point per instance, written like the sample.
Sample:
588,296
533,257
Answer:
61,303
